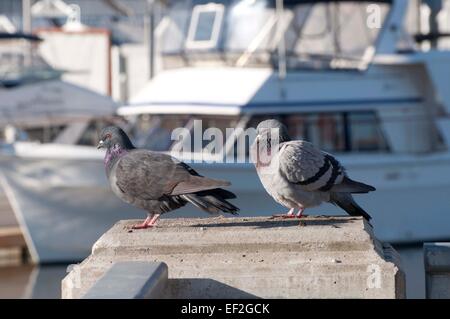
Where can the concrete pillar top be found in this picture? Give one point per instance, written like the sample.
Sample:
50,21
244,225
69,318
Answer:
317,257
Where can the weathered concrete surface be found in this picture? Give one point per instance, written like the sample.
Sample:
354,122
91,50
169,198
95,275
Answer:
131,280
437,269
323,257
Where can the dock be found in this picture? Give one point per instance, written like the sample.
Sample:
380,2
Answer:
13,248
7,217
240,257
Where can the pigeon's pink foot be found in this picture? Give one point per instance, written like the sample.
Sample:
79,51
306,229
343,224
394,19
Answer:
141,226
148,222
144,224
290,214
300,213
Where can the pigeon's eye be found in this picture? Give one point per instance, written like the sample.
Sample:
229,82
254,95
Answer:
107,136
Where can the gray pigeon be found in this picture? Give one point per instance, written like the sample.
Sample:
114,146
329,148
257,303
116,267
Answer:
156,182
298,175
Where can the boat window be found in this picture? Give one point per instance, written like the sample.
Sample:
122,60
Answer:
155,131
326,131
332,35
365,132
21,63
44,134
256,119
426,22
205,26
334,132
91,134
213,141
317,35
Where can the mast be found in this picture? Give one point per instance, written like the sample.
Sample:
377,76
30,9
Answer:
149,25
281,43
26,28
26,16
435,8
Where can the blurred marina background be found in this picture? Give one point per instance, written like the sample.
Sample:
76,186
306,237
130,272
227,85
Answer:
364,80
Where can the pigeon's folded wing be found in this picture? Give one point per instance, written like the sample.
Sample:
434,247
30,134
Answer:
145,175
148,175
303,164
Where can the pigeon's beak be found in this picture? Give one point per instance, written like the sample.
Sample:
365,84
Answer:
100,144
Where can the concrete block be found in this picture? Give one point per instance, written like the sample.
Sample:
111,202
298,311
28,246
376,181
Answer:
254,257
131,280
437,270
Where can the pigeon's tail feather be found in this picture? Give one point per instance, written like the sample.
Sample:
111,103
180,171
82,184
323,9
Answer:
197,184
212,201
194,200
350,186
222,193
347,203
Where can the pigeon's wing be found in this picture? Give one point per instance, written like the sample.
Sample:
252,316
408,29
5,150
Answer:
192,182
145,175
148,175
303,164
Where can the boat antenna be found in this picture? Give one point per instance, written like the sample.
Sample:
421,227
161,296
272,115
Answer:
27,28
74,19
26,16
281,43
149,25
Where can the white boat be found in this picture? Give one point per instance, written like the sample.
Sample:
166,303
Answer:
372,96
36,101
37,106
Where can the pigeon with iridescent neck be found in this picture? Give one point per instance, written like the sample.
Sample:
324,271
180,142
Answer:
157,182
298,175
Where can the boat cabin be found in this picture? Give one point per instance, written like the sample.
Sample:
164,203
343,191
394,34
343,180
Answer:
349,76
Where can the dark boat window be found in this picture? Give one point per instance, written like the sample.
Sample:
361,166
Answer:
205,26
155,131
365,132
43,134
334,132
318,35
325,130
92,132
210,121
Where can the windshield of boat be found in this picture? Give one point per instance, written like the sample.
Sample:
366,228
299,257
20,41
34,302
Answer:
167,132
247,33
20,63
355,131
